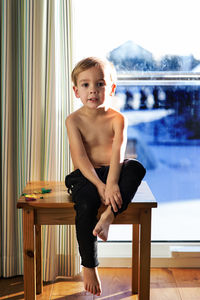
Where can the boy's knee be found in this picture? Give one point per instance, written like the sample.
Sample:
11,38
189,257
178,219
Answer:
85,207
135,167
87,211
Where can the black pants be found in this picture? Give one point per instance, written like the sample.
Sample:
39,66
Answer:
87,202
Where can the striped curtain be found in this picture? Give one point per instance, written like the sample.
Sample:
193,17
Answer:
35,100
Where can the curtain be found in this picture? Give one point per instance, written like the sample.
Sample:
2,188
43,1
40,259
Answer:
35,100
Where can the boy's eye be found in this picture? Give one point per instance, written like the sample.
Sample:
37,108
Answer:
85,84
100,84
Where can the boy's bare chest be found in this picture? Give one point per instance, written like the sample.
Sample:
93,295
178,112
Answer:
96,133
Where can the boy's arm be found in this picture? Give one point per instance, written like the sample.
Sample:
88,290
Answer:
112,193
79,155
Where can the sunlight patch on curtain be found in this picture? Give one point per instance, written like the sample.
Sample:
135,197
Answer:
36,93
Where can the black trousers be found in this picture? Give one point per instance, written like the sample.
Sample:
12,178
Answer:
87,202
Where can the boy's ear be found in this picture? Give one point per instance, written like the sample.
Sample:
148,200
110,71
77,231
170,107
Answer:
113,88
76,91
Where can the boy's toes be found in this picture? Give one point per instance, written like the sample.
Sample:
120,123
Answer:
97,231
98,293
102,236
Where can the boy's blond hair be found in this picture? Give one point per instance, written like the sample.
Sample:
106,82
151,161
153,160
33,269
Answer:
90,62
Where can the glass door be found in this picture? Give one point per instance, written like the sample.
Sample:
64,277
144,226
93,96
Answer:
155,48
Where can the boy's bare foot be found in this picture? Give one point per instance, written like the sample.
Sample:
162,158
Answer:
91,280
102,227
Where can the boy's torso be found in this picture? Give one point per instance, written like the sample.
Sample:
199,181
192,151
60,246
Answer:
97,135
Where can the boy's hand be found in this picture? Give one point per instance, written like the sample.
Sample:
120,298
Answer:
113,196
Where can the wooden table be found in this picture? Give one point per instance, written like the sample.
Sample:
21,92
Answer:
56,208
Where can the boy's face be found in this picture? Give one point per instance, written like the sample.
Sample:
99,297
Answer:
93,87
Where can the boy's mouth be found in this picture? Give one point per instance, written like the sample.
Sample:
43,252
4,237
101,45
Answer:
93,99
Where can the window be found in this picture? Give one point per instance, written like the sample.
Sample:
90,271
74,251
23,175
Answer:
155,48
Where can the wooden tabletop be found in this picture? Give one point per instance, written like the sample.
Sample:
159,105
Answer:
59,197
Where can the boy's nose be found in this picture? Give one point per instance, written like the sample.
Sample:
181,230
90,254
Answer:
93,91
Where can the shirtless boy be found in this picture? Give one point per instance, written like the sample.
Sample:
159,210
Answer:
97,138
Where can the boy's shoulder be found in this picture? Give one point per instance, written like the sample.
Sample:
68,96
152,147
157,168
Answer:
73,117
116,113
117,116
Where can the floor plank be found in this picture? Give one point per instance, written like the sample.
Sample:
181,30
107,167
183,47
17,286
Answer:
188,283
163,285
70,289
116,284
166,284
12,288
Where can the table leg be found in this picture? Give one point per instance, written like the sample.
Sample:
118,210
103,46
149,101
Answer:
29,254
135,258
145,254
39,275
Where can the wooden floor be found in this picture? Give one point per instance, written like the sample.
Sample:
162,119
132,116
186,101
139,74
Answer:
166,284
